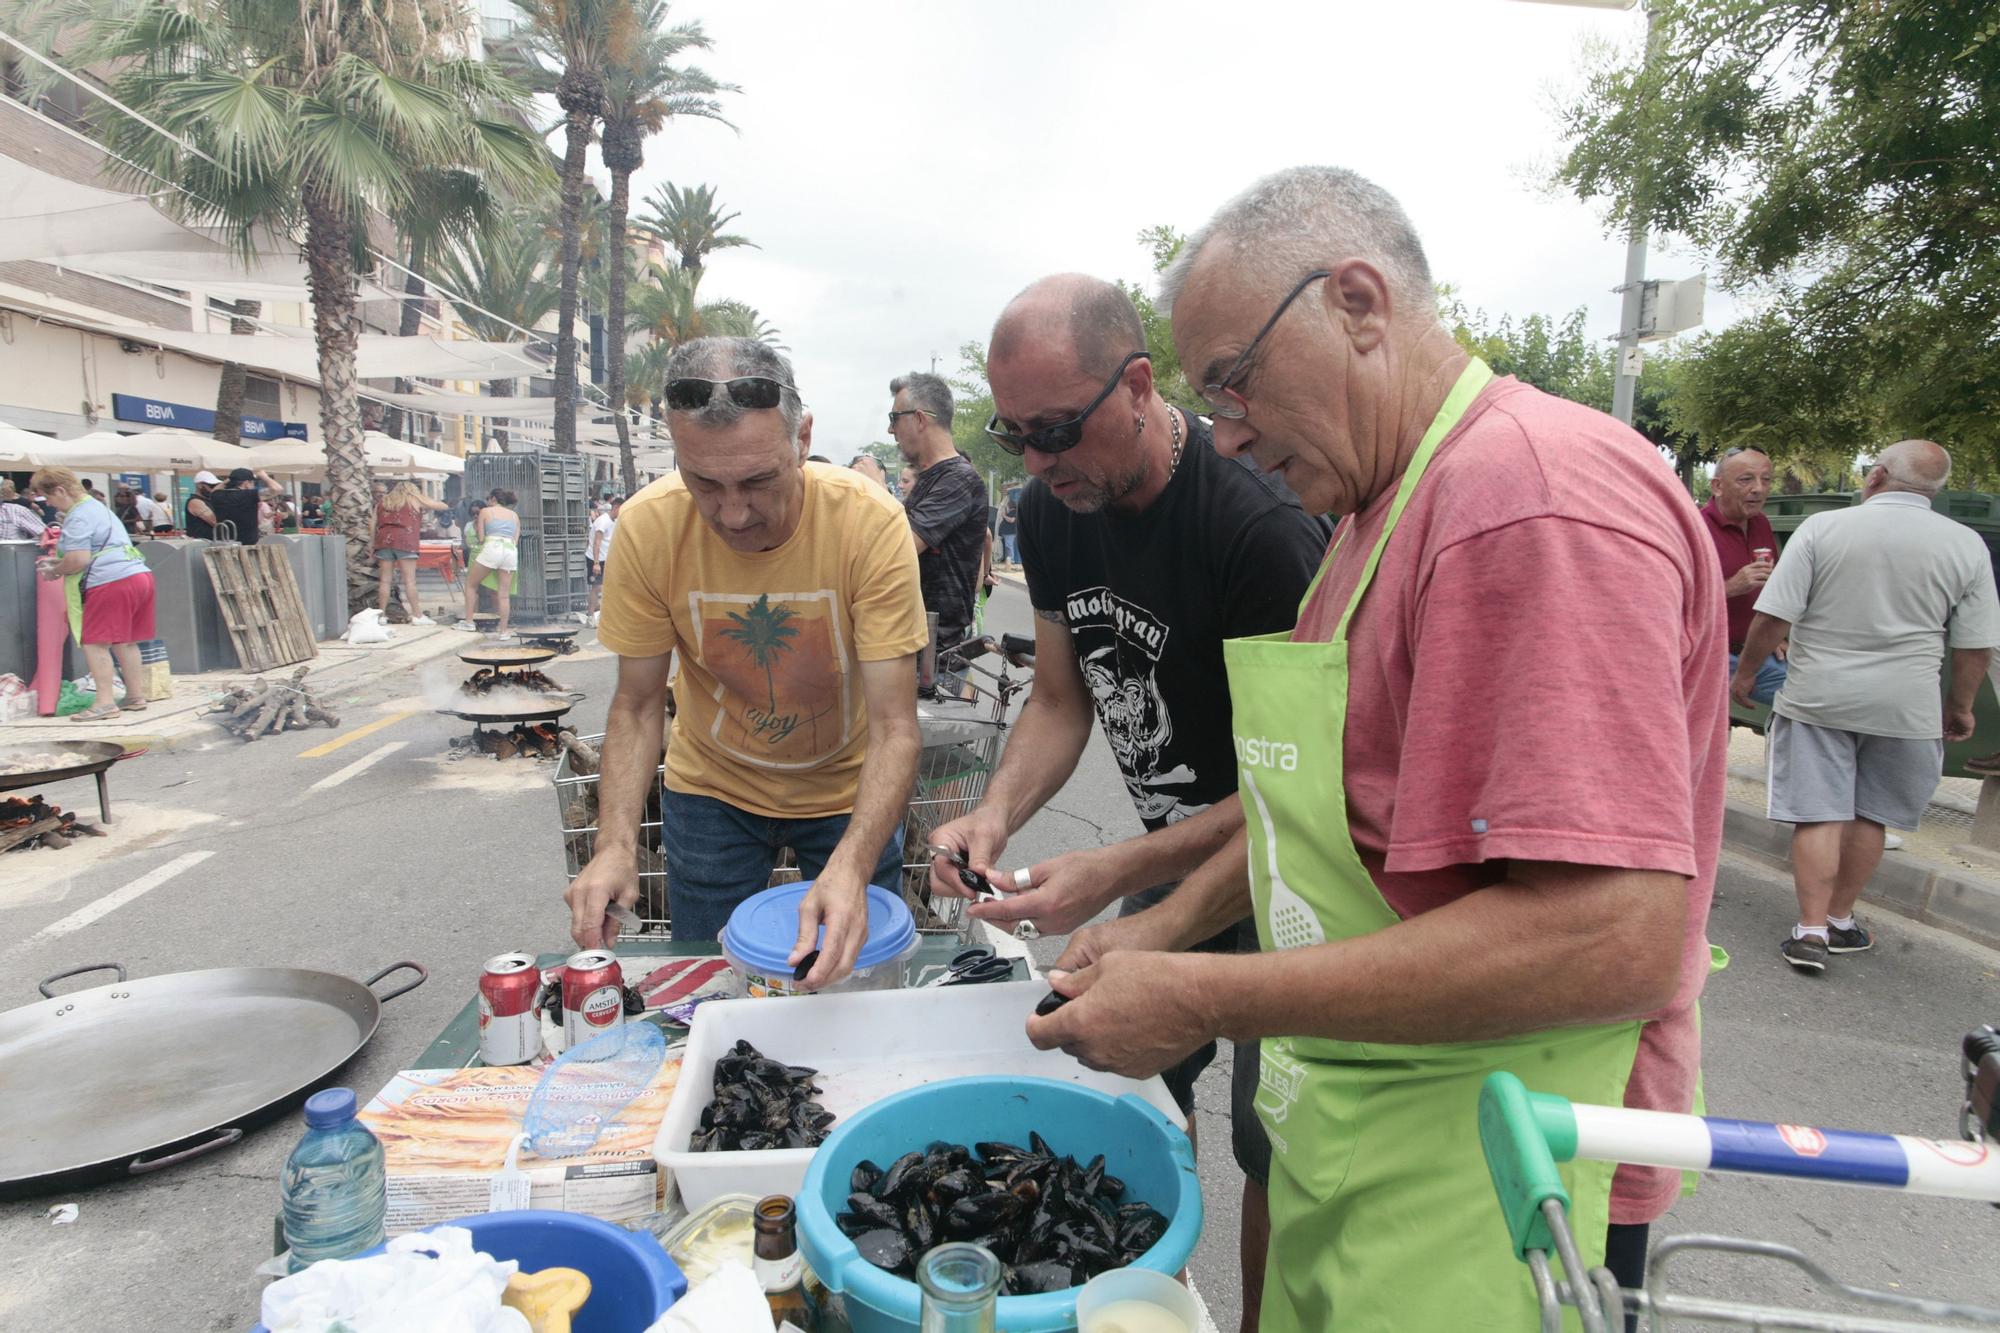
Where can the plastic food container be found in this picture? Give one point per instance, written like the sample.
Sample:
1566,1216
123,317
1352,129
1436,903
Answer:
724,1230
762,930
866,1047
1154,1159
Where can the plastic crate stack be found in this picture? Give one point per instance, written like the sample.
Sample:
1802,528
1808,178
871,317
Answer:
552,496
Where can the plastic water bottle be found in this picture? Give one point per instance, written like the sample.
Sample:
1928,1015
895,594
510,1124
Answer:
332,1189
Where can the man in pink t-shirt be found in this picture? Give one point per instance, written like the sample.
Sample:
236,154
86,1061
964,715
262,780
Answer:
1535,725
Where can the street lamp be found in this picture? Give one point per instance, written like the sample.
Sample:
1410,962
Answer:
1625,380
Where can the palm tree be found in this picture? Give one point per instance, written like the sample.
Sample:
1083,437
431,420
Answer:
229,390
567,48
765,636
643,91
290,119
669,306
443,206
507,267
690,223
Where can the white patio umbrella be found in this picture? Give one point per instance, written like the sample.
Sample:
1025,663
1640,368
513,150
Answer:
20,449
148,451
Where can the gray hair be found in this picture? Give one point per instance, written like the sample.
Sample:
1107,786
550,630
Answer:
1916,465
927,392
735,358
1303,218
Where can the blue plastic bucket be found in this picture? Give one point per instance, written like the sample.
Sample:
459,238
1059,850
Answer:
764,927
632,1281
1140,1146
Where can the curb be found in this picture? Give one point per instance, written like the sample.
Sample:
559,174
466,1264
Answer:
1948,897
175,730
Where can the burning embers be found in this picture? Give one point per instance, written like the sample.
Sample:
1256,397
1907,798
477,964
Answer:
487,679
32,822
538,740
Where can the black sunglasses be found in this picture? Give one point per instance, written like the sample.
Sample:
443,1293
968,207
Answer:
1063,435
753,391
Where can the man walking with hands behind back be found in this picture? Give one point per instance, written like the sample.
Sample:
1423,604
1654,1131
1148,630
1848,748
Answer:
1869,597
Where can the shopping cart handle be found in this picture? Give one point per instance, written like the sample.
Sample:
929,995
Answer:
1524,1135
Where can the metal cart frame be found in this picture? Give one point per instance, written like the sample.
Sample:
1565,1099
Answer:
1525,1134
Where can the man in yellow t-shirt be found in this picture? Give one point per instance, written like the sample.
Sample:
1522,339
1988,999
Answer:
789,591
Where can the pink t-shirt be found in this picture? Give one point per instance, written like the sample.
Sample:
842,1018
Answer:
1539,671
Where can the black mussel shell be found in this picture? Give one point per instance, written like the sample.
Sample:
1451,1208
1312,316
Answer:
1051,1002
902,1173
884,1248
876,1211
1033,1279
982,1212
805,966
1139,1229
862,1179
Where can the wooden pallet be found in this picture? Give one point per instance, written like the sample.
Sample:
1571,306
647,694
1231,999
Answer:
261,605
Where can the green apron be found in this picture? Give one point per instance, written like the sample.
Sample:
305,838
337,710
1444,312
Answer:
73,583
1382,1213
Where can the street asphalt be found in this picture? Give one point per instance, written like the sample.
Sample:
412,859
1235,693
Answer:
285,853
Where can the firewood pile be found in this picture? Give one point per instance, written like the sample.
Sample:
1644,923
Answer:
32,822
524,740
487,679
250,711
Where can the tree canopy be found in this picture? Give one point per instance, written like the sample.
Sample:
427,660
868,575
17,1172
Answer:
1840,164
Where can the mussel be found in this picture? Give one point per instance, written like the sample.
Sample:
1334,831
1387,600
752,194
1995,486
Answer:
760,1104
1051,1222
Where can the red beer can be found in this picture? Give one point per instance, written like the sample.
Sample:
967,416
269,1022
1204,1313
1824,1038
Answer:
593,995
1764,553
510,1024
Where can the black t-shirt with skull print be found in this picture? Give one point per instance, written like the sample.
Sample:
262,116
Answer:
1223,553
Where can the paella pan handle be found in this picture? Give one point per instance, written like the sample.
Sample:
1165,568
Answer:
225,1136
423,975
47,982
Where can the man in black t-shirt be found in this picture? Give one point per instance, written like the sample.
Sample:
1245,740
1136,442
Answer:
946,503
1144,549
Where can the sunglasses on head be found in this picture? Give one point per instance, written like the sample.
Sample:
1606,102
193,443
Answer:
753,391
1062,435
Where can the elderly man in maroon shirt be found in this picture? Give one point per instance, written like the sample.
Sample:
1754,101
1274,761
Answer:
1745,545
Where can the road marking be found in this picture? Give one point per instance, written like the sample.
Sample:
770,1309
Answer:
116,899
359,766
319,751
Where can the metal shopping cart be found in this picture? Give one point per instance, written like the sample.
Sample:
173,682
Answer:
963,739
1525,1134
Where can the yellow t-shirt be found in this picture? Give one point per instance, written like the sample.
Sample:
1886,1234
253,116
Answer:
772,718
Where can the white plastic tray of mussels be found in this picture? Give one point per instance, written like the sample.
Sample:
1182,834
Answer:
866,1046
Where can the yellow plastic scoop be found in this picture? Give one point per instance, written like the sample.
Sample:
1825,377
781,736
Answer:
548,1299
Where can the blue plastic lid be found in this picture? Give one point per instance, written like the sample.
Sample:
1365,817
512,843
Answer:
765,926
333,1107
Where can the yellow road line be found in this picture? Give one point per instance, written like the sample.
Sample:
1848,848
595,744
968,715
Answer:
318,751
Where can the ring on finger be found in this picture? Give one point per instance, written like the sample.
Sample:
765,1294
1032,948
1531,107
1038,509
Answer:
1024,879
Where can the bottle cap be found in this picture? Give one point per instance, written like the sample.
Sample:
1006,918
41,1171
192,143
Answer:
326,1109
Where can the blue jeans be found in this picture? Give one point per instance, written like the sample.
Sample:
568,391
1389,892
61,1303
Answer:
1007,544
717,855
1770,677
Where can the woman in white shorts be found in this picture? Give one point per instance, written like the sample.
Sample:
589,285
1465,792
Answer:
498,528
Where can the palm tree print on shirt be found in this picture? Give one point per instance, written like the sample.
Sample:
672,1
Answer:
765,634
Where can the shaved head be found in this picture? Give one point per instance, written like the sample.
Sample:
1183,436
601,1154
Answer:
1916,465
1094,318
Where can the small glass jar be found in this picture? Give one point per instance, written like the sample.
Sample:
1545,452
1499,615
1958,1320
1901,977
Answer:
961,1286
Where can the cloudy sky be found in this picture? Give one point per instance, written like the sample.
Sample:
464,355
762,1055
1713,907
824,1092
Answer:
906,167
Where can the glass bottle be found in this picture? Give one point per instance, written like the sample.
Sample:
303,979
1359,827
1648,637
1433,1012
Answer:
961,1287
781,1269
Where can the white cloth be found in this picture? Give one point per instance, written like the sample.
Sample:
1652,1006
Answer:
404,1290
601,529
730,1301
1873,594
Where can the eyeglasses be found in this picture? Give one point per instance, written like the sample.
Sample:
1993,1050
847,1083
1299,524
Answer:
1226,402
1063,435
906,412
753,391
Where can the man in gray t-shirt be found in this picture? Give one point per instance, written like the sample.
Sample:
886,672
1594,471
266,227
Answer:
1870,596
